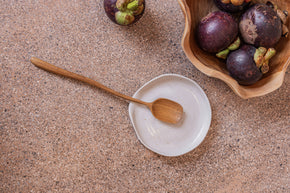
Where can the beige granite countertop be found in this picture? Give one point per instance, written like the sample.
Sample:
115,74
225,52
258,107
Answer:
59,135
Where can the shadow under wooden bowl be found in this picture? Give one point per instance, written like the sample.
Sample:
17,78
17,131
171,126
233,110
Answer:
208,64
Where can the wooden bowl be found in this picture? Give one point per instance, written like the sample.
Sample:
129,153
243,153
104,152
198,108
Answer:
193,11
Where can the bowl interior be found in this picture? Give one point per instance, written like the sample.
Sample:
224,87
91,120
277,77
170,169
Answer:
194,11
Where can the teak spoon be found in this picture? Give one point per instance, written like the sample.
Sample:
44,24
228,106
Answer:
162,109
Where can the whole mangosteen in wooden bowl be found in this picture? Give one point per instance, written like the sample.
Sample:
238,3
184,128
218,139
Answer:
244,43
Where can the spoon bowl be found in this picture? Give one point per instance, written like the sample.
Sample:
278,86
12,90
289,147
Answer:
163,109
162,106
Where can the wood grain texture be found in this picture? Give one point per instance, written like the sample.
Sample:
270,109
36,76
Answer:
208,64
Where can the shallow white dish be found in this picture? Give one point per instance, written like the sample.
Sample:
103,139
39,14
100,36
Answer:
171,139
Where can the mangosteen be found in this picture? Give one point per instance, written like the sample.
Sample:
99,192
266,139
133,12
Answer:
242,68
283,15
248,64
249,49
232,6
124,12
216,31
260,26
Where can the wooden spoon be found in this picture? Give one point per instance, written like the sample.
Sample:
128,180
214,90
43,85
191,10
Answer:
162,109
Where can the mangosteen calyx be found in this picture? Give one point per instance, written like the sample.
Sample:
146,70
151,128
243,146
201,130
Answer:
259,56
128,9
235,45
262,57
224,53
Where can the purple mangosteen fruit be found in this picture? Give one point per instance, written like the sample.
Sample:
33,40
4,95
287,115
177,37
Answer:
216,31
232,6
249,49
242,68
248,64
283,15
260,26
124,12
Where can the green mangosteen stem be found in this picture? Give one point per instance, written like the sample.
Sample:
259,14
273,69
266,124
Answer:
262,57
235,45
124,18
259,56
127,10
223,54
122,4
269,54
139,10
133,6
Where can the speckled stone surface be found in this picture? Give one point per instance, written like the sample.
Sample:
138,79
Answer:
59,135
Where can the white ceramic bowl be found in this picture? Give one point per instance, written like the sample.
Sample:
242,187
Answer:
172,139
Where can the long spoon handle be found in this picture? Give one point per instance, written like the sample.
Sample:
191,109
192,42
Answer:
56,70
